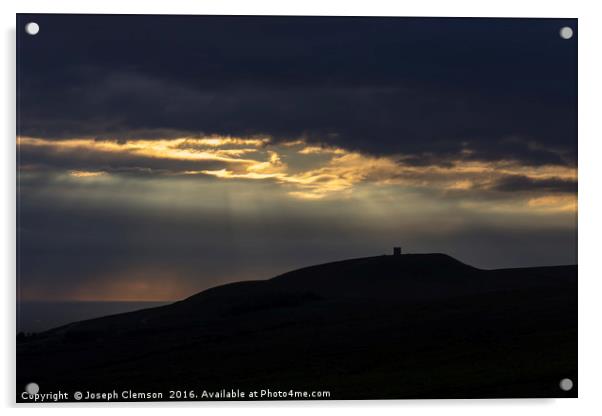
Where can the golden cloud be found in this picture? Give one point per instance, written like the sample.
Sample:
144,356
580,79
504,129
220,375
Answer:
312,172
86,174
567,203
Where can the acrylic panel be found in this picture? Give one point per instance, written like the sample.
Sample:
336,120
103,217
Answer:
295,208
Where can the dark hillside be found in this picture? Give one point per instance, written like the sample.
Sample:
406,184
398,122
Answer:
411,326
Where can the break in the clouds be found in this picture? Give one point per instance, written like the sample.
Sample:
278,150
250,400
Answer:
303,170
172,153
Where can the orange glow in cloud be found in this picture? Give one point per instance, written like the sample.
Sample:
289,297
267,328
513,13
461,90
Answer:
312,172
567,203
86,174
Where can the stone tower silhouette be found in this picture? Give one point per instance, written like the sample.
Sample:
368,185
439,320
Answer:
397,251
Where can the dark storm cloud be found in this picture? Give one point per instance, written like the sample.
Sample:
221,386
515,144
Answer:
519,183
382,86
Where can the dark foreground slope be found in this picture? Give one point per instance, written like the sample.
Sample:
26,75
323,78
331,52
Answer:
411,326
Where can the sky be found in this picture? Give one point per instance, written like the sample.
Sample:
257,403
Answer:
162,155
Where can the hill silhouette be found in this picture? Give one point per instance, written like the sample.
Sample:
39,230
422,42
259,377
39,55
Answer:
386,327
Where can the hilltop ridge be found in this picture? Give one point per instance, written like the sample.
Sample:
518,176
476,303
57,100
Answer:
362,328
